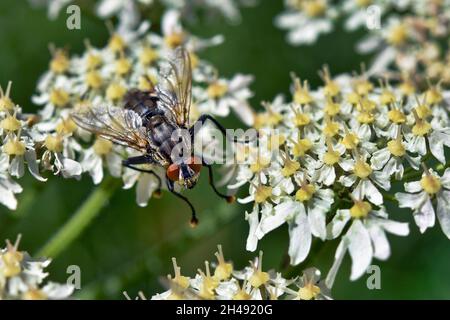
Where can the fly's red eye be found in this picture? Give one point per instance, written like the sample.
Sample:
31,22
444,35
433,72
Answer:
195,164
173,172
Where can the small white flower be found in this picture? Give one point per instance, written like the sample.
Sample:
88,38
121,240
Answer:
420,197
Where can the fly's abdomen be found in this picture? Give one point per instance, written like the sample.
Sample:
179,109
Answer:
160,134
141,102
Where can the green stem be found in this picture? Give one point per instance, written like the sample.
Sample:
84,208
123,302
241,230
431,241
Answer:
80,219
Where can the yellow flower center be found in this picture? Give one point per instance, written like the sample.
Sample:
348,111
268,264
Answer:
116,43
93,79
396,116
262,193
353,98
242,295
433,95
363,87
331,89
194,60
147,83
115,91
363,3
332,108
290,167
148,56
308,292
54,143
431,184
59,97
331,128
421,128
396,148
301,147
365,117
397,35
11,260
10,123
387,97
14,147
362,169
224,269
423,111
260,164
217,90
302,96
258,278
350,141
302,119
174,40
305,193
314,8
66,127
360,209
331,157
102,146
93,61
123,66
60,62
34,294
407,88
6,104
366,105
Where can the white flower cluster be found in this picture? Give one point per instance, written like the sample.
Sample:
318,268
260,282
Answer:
326,160
412,43
22,277
390,25
251,283
103,76
130,12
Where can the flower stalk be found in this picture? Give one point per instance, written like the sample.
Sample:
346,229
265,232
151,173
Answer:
81,219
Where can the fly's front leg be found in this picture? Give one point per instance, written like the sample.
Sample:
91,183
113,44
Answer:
170,186
230,199
205,117
133,161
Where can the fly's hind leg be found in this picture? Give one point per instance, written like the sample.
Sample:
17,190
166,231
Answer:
229,199
133,161
170,186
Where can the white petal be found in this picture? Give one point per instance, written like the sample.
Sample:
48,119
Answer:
338,257
335,227
33,167
145,187
437,147
253,221
443,211
282,212
299,237
8,199
380,242
360,249
70,168
425,217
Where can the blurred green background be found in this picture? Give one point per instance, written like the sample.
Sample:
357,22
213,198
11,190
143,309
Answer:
127,247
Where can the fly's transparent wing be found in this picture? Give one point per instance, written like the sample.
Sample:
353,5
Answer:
121,126
175,87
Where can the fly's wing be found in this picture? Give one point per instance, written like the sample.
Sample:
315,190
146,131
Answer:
121,126
174,89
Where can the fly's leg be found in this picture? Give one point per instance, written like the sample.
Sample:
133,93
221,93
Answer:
170,186
133,161
205,117
230,199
